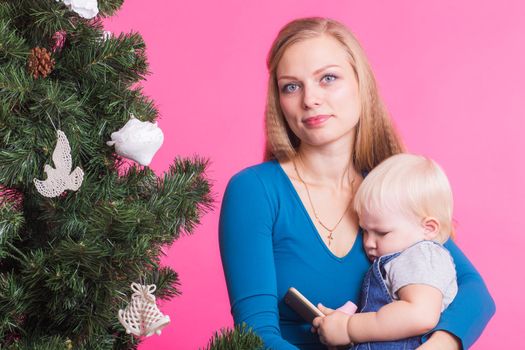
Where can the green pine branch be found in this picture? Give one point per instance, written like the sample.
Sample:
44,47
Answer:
12,45
239,338
11,221
66,263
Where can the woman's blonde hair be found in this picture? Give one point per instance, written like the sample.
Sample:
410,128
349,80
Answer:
376,138
409,185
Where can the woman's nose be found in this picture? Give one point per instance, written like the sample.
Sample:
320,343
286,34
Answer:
311,97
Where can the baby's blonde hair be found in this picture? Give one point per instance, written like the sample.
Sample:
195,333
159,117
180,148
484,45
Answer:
410,185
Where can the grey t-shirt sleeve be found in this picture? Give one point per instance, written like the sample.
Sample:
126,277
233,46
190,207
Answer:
426,263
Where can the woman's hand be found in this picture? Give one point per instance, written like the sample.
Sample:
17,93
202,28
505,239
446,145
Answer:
332,328
441,340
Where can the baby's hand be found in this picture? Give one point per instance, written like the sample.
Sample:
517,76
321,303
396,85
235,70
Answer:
332,328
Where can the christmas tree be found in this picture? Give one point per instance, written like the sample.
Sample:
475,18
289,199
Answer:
239,338
79,223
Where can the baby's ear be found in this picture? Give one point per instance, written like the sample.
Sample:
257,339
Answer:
431,227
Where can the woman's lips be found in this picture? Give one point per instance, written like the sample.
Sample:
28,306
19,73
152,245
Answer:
316,120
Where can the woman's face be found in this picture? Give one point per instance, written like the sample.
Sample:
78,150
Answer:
318,91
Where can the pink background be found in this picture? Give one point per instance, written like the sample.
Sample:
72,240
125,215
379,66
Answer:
451,73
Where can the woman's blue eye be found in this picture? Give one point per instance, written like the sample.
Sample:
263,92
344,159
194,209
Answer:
288,88
292,87
329,78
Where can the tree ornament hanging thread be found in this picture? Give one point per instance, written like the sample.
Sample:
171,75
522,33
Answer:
40,63
61,177
141,316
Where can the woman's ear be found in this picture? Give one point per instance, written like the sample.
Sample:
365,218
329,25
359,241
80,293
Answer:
431,227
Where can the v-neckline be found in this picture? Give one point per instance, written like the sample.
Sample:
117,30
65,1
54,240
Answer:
295,194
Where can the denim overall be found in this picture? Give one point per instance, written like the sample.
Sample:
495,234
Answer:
374,295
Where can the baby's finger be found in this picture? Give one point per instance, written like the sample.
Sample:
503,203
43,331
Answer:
317,321
325,310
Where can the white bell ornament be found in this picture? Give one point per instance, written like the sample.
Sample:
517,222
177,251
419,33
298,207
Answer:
142,316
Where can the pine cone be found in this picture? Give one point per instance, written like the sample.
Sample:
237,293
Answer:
40,63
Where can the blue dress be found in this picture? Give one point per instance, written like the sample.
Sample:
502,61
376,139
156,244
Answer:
269,243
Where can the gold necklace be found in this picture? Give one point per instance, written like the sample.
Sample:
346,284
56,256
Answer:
330,231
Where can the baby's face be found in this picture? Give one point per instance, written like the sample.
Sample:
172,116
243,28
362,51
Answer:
386,232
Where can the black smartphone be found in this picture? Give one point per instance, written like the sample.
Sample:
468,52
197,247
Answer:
301,305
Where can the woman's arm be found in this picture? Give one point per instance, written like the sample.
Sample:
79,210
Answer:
245,238
441,340
472,308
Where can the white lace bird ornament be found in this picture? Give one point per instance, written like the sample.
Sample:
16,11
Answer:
61,177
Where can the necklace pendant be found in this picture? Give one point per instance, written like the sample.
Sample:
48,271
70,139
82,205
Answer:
330,238
330,231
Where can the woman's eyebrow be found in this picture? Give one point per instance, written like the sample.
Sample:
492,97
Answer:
315,73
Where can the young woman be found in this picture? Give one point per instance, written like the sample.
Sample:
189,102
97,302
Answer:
288,222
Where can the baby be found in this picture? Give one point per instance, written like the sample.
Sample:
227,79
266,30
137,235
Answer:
405,209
